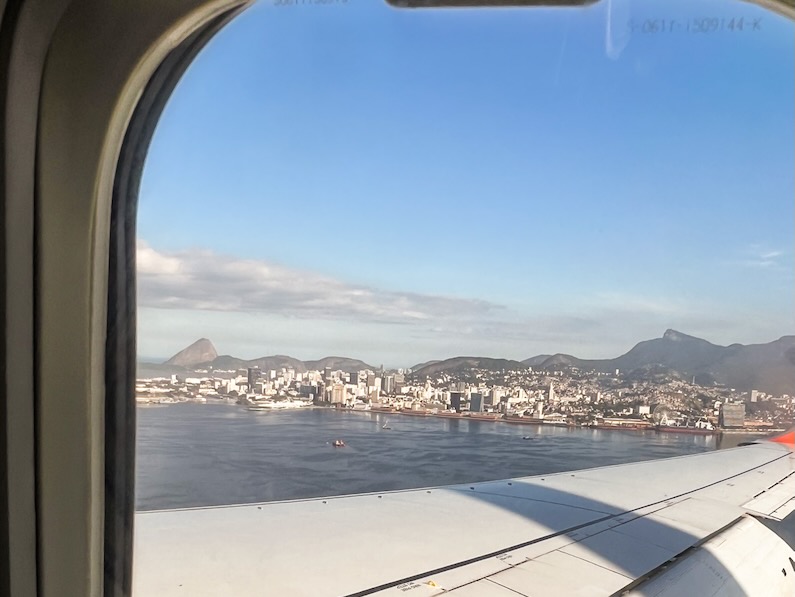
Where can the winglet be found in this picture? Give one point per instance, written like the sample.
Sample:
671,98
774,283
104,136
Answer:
788,438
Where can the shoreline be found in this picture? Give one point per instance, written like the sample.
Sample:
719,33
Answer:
483,418
540,423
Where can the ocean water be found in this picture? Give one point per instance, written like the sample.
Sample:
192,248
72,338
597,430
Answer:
212,454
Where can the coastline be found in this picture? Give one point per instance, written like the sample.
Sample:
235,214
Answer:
532,421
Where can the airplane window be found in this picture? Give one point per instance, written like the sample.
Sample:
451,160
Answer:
384,247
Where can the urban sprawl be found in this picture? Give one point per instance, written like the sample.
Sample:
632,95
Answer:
567,397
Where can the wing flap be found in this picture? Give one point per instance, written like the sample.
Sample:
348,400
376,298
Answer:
557,573
776,501
747,560
783,511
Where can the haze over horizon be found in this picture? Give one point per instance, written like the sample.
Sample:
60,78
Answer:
318,188
161,359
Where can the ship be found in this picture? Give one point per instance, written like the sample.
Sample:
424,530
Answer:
701,427
414,413
520,420
628,427
269,405
450,414
484,416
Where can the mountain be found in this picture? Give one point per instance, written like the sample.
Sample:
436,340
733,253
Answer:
457,364
274,362
536,360
202,354
419,366
338,364
201,351
767,367
683,353
563,361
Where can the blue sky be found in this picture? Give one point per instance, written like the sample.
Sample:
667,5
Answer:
402,185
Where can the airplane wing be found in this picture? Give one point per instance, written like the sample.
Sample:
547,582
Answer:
678,526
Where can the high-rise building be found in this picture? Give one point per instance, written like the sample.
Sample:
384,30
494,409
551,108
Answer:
753,396
327,374
551,392
388,384
338,394
455,401
493,397
476,402
732,415
539,410
253,377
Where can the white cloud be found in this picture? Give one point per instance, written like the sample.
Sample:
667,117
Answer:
203,280
761,257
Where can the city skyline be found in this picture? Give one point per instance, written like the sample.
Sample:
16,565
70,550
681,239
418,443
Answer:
312,192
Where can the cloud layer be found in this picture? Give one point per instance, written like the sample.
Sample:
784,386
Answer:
254,307
202,279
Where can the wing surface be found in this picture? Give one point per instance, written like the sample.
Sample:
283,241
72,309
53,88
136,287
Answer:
591,532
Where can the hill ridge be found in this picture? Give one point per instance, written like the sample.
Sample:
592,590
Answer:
768,367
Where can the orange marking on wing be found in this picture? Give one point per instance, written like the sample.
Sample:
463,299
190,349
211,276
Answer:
785,438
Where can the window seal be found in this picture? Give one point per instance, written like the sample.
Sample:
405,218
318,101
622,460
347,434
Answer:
120,343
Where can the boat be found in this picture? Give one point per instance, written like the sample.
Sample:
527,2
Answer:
338,443
701,427
386,425
450,414
270,405
414,413
485,416
526,437
687,429
520,420
629,427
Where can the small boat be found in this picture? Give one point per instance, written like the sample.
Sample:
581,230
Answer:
338,443
525,437
386,425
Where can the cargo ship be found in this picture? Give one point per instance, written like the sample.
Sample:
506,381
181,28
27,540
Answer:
687,429
523,420
484,417
628,427
701,427
413,413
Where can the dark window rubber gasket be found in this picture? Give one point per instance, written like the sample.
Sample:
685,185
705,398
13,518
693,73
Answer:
120,343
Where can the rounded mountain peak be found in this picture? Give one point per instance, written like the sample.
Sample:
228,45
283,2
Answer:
201,351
